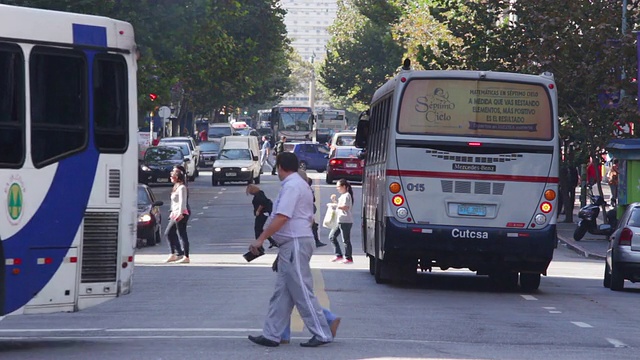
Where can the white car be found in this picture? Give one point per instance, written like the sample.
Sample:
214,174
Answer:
192,169
236,164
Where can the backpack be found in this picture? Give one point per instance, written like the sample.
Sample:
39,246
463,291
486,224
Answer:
279,147
268,206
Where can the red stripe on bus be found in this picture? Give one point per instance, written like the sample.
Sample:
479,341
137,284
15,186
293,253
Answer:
455,175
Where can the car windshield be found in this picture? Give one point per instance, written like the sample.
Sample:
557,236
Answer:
347,152
218,132
143,198
157,154
209,146
235,154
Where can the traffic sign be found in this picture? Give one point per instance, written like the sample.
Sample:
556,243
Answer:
164,112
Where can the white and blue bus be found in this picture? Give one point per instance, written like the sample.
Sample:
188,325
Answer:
332,119
68,160
461,172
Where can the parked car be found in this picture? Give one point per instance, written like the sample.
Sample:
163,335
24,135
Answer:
219,130
157,163
623,255
311,156
149,217
192,170
344,163
235,164
208,153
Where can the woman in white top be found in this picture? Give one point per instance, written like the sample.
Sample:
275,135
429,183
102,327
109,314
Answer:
345,222
177,229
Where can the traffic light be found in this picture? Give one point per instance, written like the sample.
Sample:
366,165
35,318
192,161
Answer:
153,96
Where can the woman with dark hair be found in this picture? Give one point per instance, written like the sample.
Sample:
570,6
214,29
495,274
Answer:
176,231
345,222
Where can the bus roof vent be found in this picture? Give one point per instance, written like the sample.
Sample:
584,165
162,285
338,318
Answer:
547,74
406,65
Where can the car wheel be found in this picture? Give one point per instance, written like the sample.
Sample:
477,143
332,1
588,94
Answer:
213,180
617,279
257,180
329,179
303,166
607,276
196,173
320,171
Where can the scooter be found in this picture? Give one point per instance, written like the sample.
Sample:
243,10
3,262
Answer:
588,215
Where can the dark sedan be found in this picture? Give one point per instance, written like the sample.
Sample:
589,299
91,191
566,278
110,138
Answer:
158,161
344,163
149,217
208,153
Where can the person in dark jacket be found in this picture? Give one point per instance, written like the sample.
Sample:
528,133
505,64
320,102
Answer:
262,207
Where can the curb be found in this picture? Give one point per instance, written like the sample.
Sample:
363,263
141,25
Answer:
571,244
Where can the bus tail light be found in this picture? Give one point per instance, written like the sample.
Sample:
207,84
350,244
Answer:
397,200
546,207
550,195
394,187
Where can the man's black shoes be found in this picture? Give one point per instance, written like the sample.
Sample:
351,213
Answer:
261,340
314,342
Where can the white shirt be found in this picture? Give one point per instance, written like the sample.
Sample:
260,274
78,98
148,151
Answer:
345,216
179,201
294,201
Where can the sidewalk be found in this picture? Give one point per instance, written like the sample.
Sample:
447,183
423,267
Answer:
591,246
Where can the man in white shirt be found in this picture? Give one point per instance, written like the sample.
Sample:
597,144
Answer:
265,152
290,227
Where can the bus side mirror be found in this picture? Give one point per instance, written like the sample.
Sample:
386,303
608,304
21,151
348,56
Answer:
362,133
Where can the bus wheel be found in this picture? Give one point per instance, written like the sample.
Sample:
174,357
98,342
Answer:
381,271
529,281
372,264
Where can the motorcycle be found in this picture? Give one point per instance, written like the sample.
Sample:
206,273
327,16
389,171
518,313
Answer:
588,215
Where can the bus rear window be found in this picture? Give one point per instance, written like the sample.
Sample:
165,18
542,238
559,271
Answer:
460,107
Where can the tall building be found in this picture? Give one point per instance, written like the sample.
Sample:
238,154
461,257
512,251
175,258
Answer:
307,24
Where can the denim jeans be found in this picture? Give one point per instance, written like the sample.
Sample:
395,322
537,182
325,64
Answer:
176,233
286,334
343,230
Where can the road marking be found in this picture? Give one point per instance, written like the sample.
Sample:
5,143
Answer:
318,289
581,324
617,343
201,213
528,297
205,208
555,312
548,307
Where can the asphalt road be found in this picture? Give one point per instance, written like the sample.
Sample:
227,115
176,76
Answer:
206,309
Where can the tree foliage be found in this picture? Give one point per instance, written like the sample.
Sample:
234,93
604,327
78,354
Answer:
203,53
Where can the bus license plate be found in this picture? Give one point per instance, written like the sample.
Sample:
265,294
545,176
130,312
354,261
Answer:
231,174
472,210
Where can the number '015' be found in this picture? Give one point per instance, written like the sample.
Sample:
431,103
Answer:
415,187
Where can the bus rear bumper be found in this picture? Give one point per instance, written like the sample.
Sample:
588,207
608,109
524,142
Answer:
480,249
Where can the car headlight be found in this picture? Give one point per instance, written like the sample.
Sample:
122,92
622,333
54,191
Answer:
145,168
217,169
244,169
144,218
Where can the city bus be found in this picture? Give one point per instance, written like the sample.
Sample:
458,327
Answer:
263,119
294,122
68,160
332,119
461,172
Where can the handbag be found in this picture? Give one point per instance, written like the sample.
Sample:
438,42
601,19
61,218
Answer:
330,220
